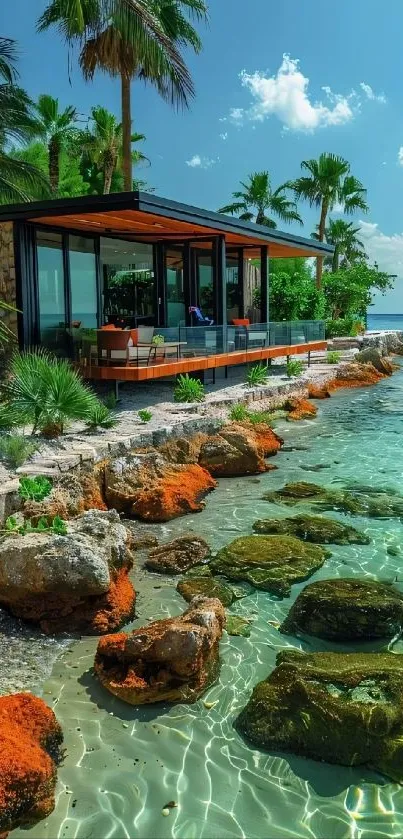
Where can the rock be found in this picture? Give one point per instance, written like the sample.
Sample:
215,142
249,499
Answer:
232,453
372,503
72,494
207,586
371,355
346,610
179,555
352,374
237,626
141,536
184,449
70,582
344,708
317,529
147,486
271,563
266,438
300,409
171,660
30,739
318,391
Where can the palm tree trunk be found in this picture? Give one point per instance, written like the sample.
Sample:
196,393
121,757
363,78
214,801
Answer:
321,237
108,172
127,134
335,261
54,169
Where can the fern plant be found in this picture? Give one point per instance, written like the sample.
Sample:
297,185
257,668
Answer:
294,368
257,375
34,489
188,389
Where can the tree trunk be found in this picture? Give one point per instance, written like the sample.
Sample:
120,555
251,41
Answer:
109,166
321,236
54,171
335,261
127,134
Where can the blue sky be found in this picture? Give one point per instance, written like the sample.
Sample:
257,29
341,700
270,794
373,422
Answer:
339,89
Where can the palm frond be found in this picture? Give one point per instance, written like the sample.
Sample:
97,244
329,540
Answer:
8,59
21,181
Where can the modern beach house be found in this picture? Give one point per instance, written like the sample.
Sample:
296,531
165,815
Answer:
132,286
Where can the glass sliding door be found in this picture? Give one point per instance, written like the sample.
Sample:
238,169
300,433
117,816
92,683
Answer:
83,283
176,309
233,292
51,291
128,283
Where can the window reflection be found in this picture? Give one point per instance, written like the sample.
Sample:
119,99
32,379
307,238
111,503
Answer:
128,282
83,282
52,313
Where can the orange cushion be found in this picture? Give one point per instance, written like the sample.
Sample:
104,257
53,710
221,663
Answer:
108,326
241,322
134,335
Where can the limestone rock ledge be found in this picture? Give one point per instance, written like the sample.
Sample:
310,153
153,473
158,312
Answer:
344,708
30,739
171,660
77,581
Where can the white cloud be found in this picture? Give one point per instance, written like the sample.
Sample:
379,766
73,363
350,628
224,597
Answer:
370,94
286,95
197,161
338,209
224,135
400,156
387,252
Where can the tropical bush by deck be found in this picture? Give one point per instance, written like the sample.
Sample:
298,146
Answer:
145,415
294,368
333,357
257,375
188,389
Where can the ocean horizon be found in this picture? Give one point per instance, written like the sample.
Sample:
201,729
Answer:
381,321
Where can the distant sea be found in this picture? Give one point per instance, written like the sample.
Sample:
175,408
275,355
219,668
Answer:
385,321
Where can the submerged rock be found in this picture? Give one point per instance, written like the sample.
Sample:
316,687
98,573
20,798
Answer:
344,708
207,586
70,582
372,503
237,626
147,486
177,556
30,739
300,409
317,529
346,610
318,391
272,563
371,355
172,660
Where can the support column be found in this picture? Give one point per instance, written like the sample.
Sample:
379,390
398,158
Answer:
220,287
264,284
241,282
187,282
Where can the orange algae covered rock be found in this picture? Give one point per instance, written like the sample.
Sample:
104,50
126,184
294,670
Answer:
239,449
172,660
30,737
71,495
316,391
355,375
267,439
300,409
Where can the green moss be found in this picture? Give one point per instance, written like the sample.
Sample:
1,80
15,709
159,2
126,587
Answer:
338,707
271,563
373,503
346,610
237,626
189,587
317,529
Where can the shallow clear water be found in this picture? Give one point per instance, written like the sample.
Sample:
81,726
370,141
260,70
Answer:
124,764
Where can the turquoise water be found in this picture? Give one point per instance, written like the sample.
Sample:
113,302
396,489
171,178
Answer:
390,321
124,764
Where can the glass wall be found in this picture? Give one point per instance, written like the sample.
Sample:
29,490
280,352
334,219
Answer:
205,284
176,310
127,270
52,311
83,282
233,294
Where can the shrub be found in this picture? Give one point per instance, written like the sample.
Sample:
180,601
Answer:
9,417
99,416
110,400
158,340
333,357
15,450
294,368
188,389
341,327
48,393
239,412
257,375
57,526
34,489
145,415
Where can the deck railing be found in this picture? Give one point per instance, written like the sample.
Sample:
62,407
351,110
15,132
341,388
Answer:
210,340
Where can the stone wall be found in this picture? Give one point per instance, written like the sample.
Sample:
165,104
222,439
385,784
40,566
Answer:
7,274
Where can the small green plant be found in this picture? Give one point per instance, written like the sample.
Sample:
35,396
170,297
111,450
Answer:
257,375
110,400
145,415
158,340
257,417
16,449
9,417
99,416
239,412
188,389
294,368
34,489
56,526
333,357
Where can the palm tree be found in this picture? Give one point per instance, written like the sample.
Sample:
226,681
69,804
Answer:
19,180
347,247
55,127
258,198
131,39
328,183
102,146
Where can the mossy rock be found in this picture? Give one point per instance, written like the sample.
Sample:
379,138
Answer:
191,586
346,610
344,708
316,529
236,625
271,563
374,504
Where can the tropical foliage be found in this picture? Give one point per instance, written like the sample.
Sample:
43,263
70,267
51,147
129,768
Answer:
56,127
257,201
188,389
348,248
34,489
257,375
293,294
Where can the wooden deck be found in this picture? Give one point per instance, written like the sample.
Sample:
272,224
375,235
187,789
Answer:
161,369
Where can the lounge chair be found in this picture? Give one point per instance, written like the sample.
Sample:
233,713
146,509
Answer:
115,346
201,319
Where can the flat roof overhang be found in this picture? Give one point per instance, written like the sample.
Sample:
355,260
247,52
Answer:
148,218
